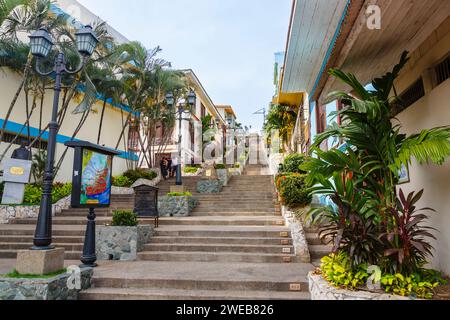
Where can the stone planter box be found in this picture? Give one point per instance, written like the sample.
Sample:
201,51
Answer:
320,289
43,289
121,243
223,176
8,213
298,235
176,206
196,174
209,186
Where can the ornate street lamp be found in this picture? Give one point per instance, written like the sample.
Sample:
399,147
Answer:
183,115
41,45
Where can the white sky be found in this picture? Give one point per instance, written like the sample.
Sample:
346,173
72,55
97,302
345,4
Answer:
230,44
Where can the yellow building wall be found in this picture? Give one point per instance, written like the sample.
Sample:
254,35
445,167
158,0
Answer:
433,110
112,124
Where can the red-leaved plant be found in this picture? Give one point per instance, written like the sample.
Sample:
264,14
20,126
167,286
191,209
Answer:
408,238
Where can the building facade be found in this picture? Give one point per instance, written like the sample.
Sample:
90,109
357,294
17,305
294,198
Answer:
18,131
352,42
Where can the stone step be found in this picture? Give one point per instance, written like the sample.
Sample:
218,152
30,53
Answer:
25,246
219,248
229,240
224,232
313,239
211,213
179,294
12,254
221,221
31,231
319,251
29,239
217,257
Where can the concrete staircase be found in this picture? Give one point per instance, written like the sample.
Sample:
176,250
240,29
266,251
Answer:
317,248
235,246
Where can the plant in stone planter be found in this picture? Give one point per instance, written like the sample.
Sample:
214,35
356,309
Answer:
123,239
125,219
369,220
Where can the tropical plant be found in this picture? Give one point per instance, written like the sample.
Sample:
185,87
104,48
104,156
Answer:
282,119
135,175
125,218
293,162
38,166
179,194
407,248
293,190
361,180
190,170
33,193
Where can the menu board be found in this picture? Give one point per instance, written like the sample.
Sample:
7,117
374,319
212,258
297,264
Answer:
95,179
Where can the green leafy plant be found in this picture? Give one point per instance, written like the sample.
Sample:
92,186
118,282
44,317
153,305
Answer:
38,166
179,194
237,166
220,167
294,190
135,175
190,170
292,164
121,182
16,275
420,284
124,218
407,248
33,193
337,269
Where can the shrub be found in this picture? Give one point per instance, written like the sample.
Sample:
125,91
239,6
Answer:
135,175
293,190
33,193
125,218
220,166
179,194
237,165
190,170
293,162
337,270
121,182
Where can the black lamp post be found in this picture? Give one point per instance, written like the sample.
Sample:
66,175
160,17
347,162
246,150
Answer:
41,44
183,115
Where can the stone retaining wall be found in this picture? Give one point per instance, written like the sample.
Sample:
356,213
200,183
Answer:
320,289
176,206
8,213
209,186
298,235
43,289
121,243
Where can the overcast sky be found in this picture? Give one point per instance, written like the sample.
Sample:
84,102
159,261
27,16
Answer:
230,44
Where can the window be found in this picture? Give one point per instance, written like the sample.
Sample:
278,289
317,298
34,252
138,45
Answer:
442,71
9,137
411,95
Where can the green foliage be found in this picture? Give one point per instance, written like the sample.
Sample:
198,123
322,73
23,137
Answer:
368,221
292,164
135,175
121,182
206,123
281,118
420,284
38,167
190,170
294,190
33,193
179,194
220,166
337,269
406,244
237,165
125,218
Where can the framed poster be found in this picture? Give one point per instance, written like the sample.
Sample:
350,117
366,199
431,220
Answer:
404,175
95,188
92,175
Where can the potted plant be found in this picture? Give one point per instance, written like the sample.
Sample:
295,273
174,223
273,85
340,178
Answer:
123,239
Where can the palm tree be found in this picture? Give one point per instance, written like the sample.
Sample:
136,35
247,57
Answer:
282,118
7,6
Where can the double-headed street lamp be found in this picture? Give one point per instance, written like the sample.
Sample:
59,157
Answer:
41,45
183,115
